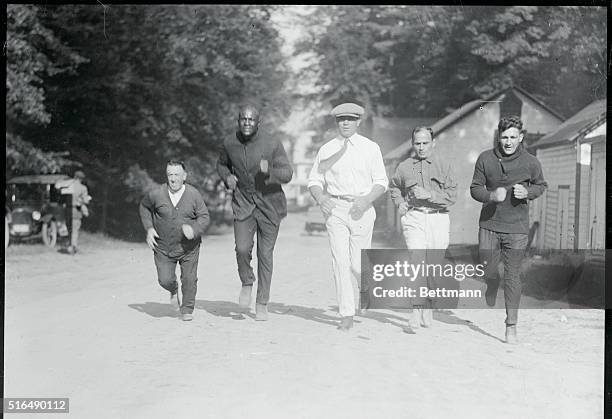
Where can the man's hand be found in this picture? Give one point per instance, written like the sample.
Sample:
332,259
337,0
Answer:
188,231
327,205
151,236
263,166
421,193
520,192
403,208
231,182
360,205
498,195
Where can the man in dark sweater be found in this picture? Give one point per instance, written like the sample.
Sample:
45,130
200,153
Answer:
505,179
254,167
175,216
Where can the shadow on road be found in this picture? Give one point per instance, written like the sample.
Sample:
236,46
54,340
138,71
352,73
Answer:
234,311
155,309
223,309
448,317
307,313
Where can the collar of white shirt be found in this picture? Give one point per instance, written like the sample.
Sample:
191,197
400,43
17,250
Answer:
350,139
176,196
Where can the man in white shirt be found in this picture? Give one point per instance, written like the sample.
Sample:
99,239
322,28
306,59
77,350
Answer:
347,177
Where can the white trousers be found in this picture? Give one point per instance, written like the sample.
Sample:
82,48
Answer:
426,231
346,238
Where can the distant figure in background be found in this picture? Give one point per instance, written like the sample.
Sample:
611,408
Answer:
175,217
254,166
422,188
78,205
505,179
348,175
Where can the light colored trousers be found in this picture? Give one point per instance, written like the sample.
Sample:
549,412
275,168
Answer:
426,231
346,238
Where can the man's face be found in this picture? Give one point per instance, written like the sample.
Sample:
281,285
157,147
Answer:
347,125
423,144
248,122
509,140
176,177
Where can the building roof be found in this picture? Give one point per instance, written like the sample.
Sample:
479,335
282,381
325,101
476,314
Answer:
458,114
588,118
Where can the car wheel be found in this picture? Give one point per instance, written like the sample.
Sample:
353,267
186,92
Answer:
49,233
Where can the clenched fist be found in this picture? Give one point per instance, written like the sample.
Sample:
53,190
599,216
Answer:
188,231
520,192
498,195
231,182
263,166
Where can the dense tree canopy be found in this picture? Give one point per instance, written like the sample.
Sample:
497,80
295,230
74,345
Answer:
117,90
124,88
423,60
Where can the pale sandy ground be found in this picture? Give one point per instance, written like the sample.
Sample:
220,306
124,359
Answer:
98,329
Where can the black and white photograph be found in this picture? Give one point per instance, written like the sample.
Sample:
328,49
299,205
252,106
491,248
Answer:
305,211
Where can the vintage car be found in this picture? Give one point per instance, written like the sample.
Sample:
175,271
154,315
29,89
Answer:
315,221
35,207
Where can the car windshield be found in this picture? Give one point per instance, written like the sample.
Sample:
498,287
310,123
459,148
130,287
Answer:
28,193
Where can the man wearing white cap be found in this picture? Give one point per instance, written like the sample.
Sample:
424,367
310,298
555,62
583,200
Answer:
347,177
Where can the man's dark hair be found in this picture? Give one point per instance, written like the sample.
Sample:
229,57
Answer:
250,106
176,162
420,129
508,122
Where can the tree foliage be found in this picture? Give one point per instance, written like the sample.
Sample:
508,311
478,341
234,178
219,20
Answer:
125,88
423,60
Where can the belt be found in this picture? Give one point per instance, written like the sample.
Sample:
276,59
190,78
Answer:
429,210
348,198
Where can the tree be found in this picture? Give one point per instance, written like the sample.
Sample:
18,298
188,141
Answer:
33,52
427,60
159,82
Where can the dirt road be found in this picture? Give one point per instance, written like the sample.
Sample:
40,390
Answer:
98,329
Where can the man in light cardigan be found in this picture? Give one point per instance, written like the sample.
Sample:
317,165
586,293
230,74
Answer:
175,217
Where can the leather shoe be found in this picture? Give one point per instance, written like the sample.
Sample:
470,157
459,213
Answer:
511,335
346,323
244,300
187,317
261,312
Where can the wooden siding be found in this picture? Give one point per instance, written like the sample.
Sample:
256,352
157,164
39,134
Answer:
559,168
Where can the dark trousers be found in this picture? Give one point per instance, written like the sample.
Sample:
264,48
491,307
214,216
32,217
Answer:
510,249
244,234
166,276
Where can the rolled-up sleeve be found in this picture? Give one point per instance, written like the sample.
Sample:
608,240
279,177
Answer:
379,174
316,178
